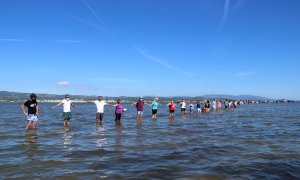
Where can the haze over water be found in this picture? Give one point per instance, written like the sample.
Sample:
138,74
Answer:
252,141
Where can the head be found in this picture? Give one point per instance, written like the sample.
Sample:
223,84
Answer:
141,99
119,101
33,97
100,98
171,101
182,100
67,96
155,99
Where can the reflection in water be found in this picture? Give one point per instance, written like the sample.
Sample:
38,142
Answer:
118,137
100,140
32,143
68,135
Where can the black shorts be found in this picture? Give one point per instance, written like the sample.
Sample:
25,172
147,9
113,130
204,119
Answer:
154,111
99,116
183,109
172,111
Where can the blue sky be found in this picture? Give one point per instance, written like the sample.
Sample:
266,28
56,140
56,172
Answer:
151,47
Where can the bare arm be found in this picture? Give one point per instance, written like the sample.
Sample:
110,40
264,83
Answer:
73,105
59,104
37,111
23,110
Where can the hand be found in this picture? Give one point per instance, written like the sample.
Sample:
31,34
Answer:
26,114
37,114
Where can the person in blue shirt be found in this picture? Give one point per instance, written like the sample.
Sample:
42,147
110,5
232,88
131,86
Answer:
154,107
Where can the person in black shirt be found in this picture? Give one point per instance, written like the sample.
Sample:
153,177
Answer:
33,111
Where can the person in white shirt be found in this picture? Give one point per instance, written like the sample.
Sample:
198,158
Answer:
214,104
100,103
183,107
67,115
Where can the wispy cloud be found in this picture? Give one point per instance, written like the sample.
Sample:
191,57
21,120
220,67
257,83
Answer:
94,13
63,84
86,22
225,15
243,74
227,11
11,40
69,41
161,62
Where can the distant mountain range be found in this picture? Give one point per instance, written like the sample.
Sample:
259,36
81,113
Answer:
6,95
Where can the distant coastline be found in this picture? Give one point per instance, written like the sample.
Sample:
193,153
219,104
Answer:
6,96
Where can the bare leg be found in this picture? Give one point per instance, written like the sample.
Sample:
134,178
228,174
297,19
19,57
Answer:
34,124
28,125
65,123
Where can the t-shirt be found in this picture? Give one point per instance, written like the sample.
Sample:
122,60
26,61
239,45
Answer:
31,106
155,105
191,106
183,105
140,105
67,105
100,106
214,104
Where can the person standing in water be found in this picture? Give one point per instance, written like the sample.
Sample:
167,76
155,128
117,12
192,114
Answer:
226,104
67,115
139,107
118,112
199,110
206,107
219,105
214,105
191,106
171,108
183,107
154,106
33,111
100,103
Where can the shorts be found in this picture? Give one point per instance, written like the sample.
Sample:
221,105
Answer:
118,117
32,117
183,109
154,111
67,116
99,116
172,111
140,112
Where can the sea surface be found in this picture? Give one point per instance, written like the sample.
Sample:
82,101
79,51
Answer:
256,141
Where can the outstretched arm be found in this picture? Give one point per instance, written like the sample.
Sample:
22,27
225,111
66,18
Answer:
56,105
73,105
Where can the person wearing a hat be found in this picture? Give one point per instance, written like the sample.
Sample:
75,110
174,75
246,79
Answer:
33,111
140,107
67,115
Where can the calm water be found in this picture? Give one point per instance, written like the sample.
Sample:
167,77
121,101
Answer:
253,141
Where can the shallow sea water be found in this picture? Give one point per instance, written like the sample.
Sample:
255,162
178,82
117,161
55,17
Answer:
256,141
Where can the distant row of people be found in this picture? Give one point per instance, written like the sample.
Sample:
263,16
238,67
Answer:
33,110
